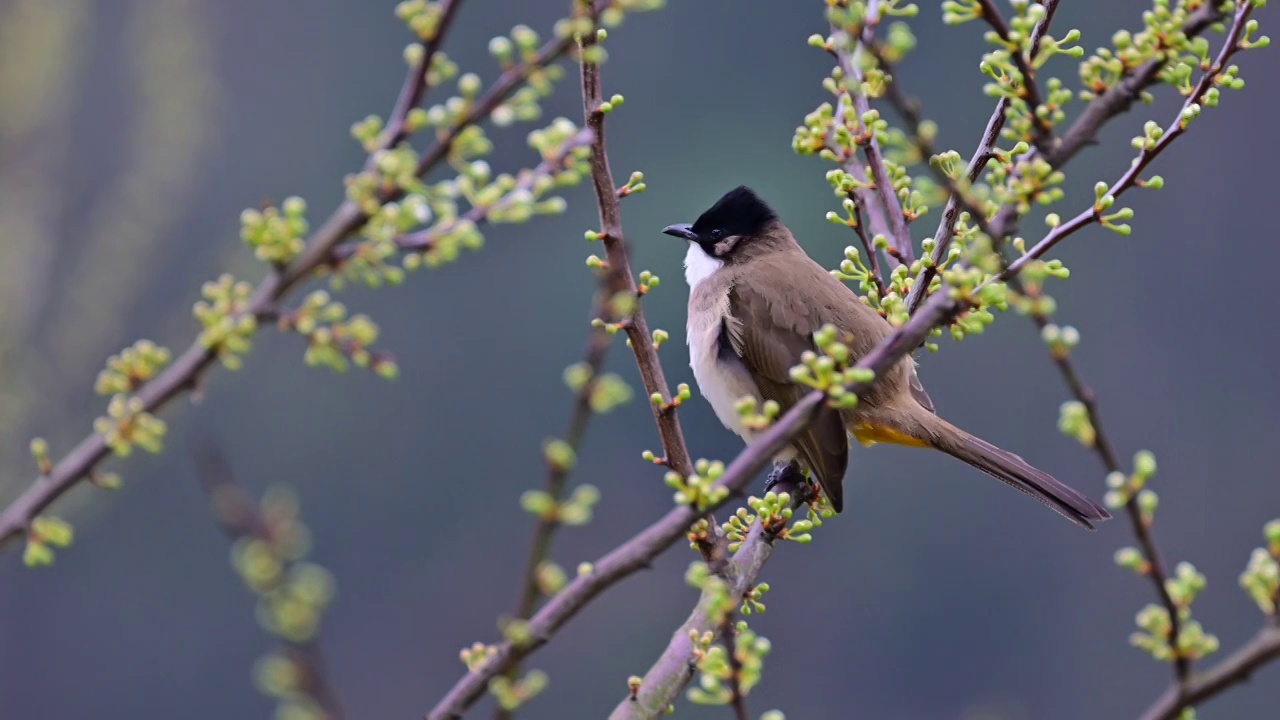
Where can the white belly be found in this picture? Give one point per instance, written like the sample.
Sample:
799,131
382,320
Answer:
723,382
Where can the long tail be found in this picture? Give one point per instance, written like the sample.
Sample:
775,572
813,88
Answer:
1010,469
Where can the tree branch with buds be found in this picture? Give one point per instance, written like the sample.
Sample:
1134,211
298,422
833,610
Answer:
234,310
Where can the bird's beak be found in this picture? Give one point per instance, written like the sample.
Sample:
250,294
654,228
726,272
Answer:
680,230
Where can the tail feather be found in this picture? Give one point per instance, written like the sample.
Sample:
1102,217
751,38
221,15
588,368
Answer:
1015,472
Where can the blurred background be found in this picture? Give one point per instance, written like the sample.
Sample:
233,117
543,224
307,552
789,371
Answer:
134,132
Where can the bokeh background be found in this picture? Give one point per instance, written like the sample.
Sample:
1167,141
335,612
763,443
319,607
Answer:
133,133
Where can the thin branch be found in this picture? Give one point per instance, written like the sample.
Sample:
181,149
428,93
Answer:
239,517
956,198
1042,135
873,258
558,473
1130,176
185,374
1120,97
426,239
978,161
737,698
1156,569
640,550
1235,669
1116,100
850,64
415,83
621,281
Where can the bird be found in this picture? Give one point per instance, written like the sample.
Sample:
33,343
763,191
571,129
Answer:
756,299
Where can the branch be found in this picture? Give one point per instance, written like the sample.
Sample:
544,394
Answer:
1030,90
1103,447
873,258
558,473
850,65
1238,666
1115,100
978,161
1233,670
675,667
737,699
640,550
620,279
186,372
426,239
240,519
1120,97
1130,177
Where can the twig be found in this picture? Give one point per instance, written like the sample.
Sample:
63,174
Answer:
1115,100
737,699
239,517
873,258
620,278
1082,131
1120,97
415,83
900,239
557,473
1155,567
188,368
978,161
1127,180
1106,452
956,198
1231,671
1042,136
640,550
426,239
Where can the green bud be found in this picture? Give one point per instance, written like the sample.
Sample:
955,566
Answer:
1144,464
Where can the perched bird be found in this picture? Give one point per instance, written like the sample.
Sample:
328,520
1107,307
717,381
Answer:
755,301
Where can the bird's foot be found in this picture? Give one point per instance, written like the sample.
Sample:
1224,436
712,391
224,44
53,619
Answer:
789,477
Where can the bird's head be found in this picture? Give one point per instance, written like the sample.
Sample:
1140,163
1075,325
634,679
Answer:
729,226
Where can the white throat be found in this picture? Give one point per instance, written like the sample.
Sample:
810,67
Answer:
698,265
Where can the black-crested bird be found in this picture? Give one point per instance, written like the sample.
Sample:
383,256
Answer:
755,301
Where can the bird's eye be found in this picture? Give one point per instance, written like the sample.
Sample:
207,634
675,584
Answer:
717,234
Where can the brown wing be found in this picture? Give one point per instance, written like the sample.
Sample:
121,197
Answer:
780,330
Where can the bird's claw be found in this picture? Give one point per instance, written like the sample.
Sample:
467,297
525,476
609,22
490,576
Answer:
787,477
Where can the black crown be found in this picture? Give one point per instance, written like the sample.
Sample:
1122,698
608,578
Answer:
739,212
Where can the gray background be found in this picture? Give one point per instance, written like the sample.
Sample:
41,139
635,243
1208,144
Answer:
938,594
